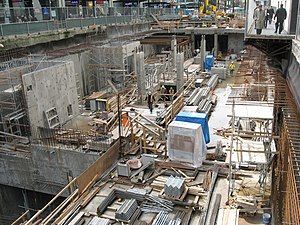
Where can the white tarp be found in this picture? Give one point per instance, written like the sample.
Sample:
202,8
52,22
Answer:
186,143
253,111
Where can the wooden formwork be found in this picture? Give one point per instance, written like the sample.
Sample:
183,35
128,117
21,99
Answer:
286,178
286,166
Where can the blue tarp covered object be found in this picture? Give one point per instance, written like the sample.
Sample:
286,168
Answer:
194,117
209,62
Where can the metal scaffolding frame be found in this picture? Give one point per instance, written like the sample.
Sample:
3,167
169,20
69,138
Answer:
12,108
14,122
112,65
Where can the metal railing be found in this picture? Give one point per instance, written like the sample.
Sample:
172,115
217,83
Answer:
23,14
20,21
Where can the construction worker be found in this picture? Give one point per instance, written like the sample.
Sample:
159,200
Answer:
219,57
150,100
231,68
163,92
171,93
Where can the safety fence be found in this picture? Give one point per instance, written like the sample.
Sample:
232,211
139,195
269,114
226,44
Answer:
20,21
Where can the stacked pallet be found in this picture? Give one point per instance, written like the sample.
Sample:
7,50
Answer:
127,209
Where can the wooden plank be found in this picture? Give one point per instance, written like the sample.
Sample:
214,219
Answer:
99,167
220,217
214,212
209,195
76,219
21,218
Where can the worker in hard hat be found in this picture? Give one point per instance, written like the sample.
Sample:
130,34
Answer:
231,68
219,56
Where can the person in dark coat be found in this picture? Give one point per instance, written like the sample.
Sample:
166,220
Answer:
150,100
270,12
281,16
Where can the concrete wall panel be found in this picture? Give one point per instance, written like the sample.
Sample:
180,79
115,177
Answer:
54,86
236,42
45,169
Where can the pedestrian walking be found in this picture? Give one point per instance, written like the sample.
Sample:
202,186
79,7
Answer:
259,18
266,19
281,15
271,12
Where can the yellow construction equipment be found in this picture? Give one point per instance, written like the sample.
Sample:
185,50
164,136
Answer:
208,7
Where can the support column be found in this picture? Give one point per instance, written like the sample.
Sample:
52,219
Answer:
202,52
193,41
174,50
111,10
26,205
216,45
179,67
140,73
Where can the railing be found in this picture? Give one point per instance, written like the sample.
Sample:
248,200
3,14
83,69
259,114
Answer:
37,21
22,14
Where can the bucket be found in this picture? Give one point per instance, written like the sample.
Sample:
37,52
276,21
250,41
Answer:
266,218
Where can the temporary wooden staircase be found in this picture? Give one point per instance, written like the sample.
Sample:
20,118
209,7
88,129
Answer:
144,135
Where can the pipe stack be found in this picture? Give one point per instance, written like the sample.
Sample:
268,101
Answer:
213,81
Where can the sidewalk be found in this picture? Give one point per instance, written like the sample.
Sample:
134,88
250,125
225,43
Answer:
270,30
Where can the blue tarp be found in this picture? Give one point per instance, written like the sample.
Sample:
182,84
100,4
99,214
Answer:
209,62
199,118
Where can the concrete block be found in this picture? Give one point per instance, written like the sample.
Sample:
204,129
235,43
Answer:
123,170
147,158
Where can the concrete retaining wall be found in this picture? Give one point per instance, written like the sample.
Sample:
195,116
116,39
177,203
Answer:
45,169
236,42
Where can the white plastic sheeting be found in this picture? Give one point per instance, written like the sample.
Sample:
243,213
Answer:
186,143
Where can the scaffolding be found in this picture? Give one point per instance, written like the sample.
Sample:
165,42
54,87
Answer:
252,141
114,62
14,121
269,89
12,108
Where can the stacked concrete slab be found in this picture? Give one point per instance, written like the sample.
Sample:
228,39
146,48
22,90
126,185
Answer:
174,187
99,221
127,209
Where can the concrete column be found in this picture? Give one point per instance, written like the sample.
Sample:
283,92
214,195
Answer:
193,41
216,45
26,205
179,67
140,72
174,50
202,52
